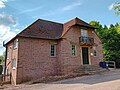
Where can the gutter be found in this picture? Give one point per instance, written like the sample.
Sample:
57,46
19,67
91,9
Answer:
5,60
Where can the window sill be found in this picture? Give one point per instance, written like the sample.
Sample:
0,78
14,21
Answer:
74,56
13,68
14,48
53,56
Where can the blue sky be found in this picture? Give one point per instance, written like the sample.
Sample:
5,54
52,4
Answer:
15,15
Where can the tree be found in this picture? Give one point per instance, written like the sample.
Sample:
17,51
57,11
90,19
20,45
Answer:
99,27
116,7
111,41
101,31
1,59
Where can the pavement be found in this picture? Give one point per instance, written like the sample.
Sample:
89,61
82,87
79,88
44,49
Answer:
109,80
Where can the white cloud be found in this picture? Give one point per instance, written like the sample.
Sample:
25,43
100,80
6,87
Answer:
2,3
17,30
71,6
111,6
6,23
7,20
5,33
30,10
4,0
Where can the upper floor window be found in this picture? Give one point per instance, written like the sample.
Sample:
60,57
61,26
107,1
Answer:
14,64
53,50
73,47
15,43
95,51
84,33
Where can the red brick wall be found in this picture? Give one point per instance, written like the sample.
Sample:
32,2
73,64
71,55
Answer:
68,62
13,54
34,59
99,57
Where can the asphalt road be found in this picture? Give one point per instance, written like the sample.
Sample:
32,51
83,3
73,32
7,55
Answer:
104,81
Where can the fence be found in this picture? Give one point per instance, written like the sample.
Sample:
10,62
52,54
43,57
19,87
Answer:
111,64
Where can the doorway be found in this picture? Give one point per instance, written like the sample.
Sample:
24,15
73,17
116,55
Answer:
85,55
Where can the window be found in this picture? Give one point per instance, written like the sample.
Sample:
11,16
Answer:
95,51
14,64
84,33
15,43
7,52
8,71
73,50
53,50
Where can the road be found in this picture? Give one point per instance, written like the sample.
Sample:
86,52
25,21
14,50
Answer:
104,81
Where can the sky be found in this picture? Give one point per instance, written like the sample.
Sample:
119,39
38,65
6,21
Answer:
15,15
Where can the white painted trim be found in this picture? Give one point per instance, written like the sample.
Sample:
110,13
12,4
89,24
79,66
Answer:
15,44
14,62
81,55
75,50
14,68
96,49
84,31
90,63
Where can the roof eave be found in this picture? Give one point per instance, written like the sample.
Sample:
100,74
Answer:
11,40
86,26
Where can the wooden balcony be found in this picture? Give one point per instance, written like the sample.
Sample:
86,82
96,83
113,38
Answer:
86,40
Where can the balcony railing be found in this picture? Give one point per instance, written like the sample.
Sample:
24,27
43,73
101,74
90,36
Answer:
86,40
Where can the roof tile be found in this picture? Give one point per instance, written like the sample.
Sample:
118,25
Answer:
50,30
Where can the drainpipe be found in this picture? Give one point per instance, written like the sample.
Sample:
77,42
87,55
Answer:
5,59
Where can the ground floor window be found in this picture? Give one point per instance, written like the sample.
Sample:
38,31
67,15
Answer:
95,51
53,50
8,71
73,48
14,63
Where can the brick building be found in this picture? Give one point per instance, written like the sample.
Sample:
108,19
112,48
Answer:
48,48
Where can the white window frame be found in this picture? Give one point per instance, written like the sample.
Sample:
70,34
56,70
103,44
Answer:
14,64
8,52
15,44
95,51
8,71
53,50
73,50
84,33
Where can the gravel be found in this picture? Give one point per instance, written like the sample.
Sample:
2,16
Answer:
108,80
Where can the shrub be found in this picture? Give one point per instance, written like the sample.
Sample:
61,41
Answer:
1,69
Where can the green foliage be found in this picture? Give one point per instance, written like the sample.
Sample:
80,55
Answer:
99,27
1,69
116,7
111,41
118,28
1,59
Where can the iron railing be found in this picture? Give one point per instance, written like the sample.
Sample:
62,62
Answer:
86,40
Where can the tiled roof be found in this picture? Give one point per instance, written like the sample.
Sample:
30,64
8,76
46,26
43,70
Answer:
82,23
43,29
50,30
